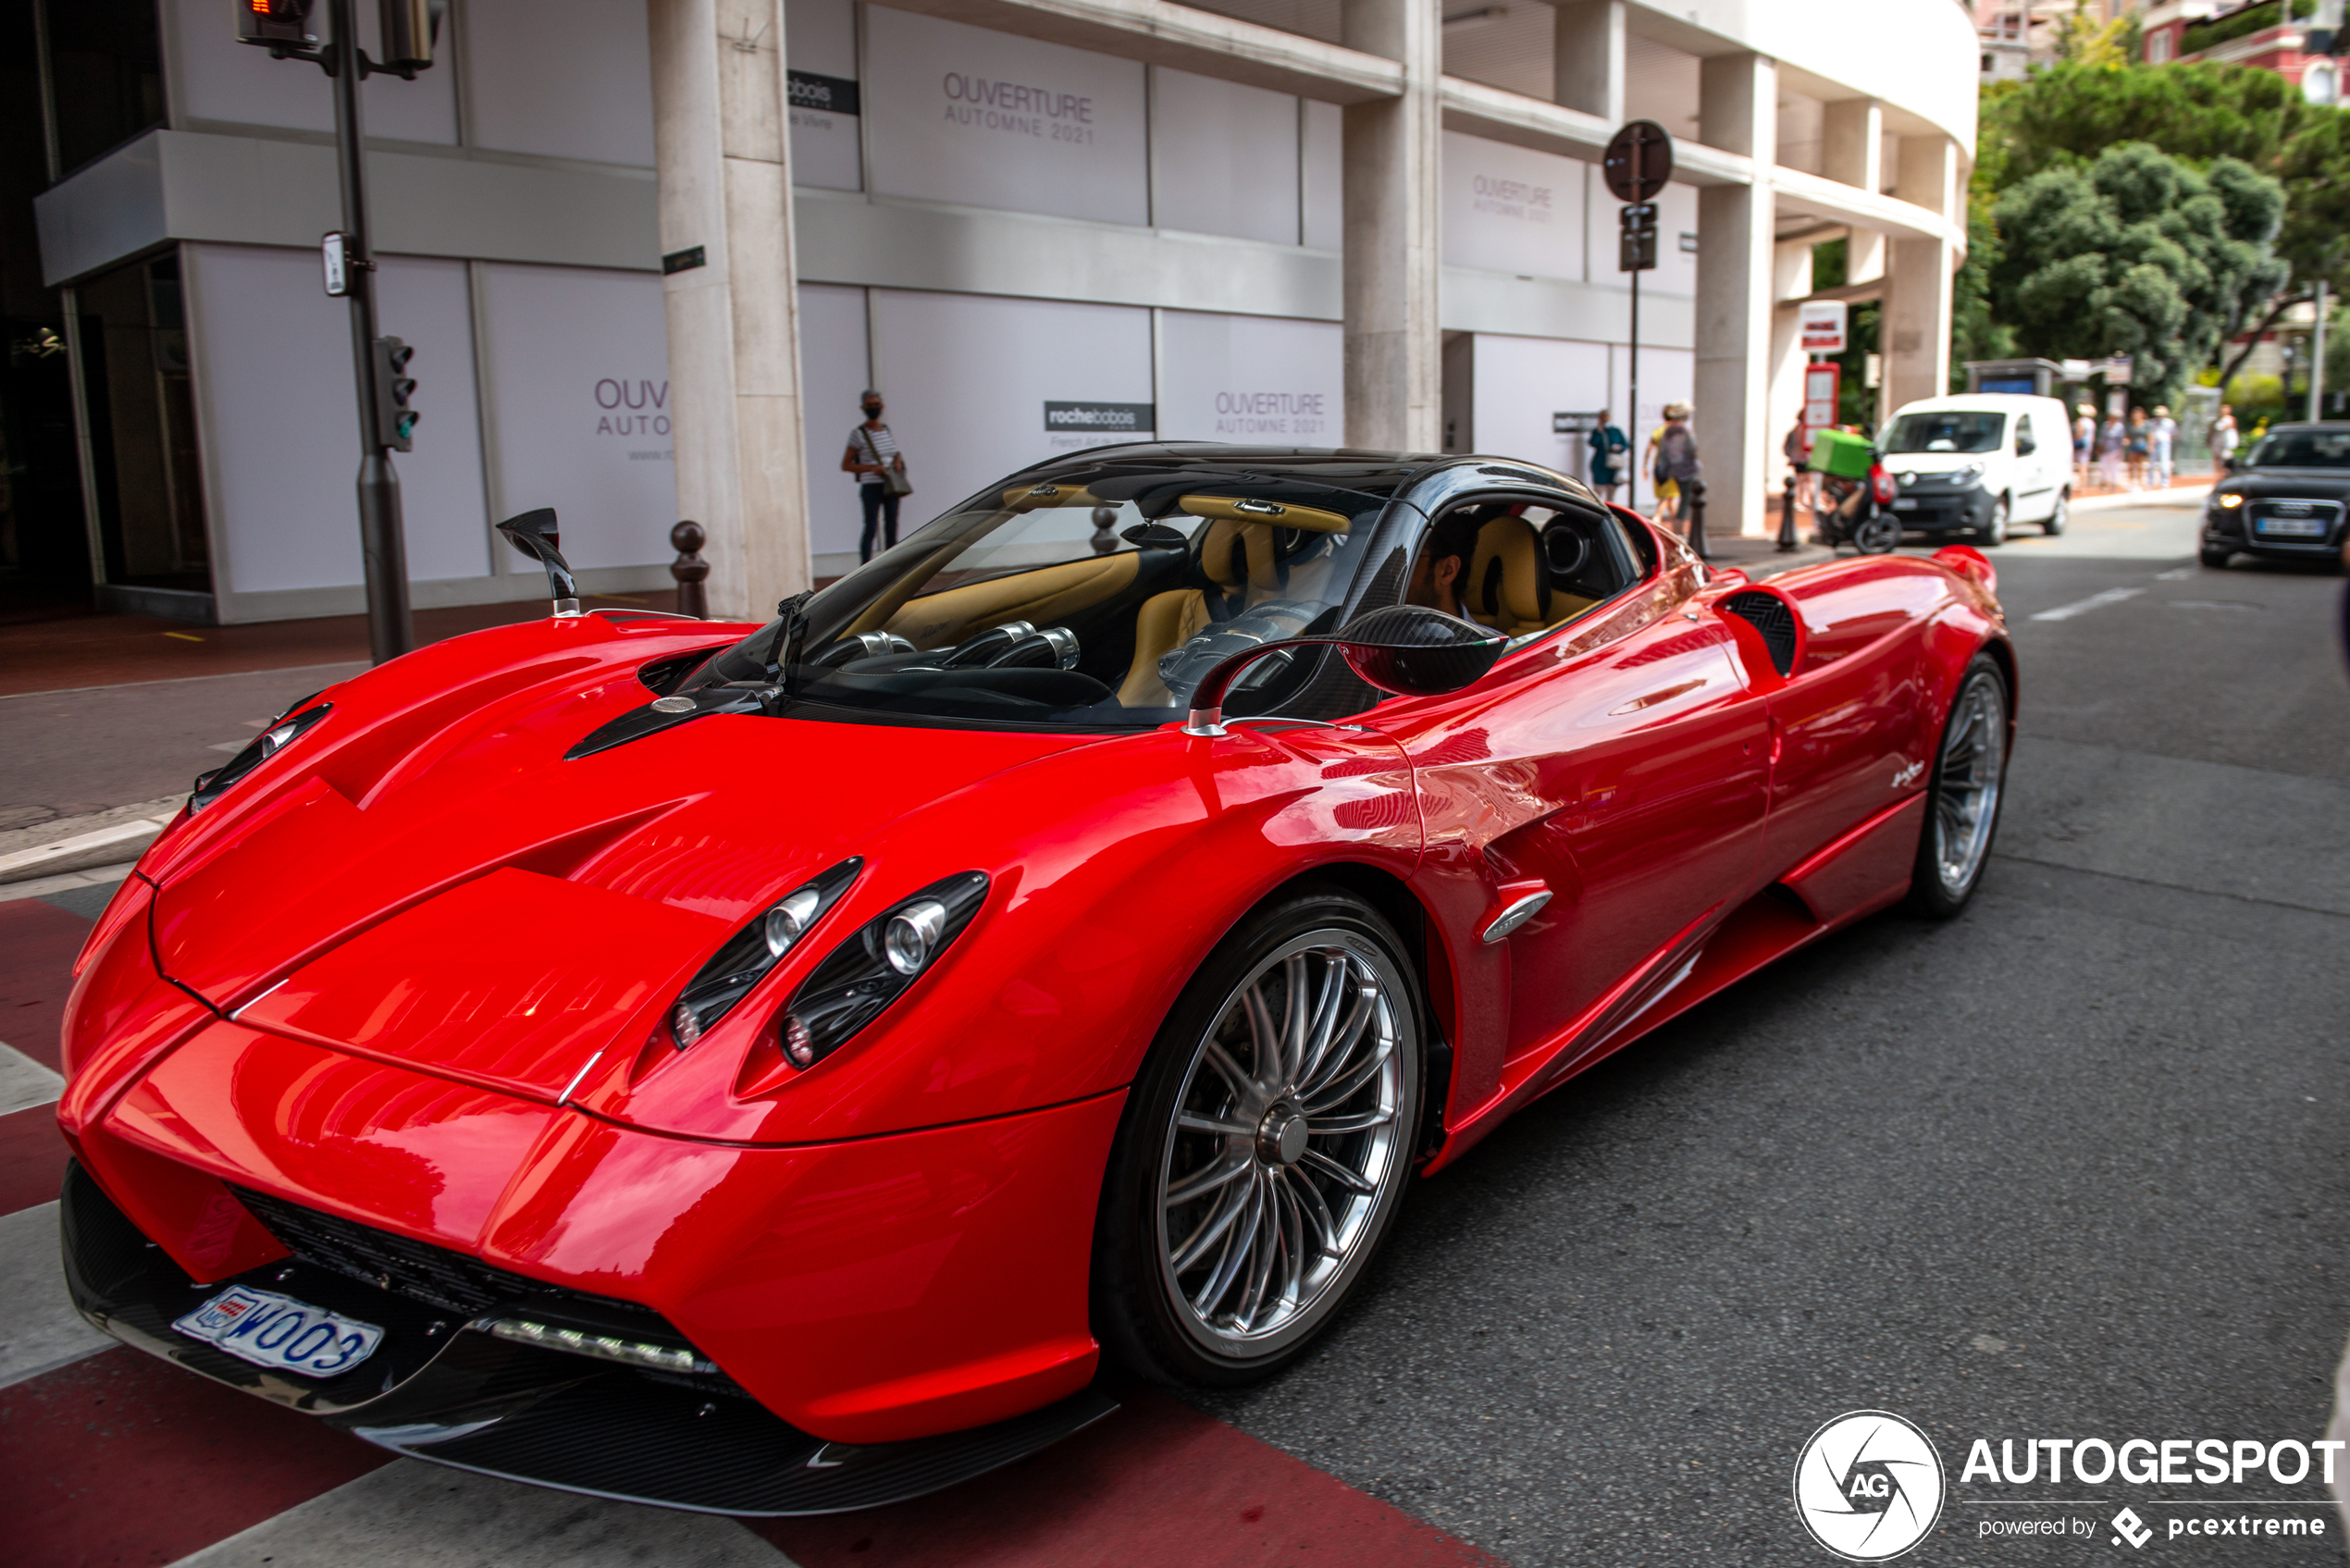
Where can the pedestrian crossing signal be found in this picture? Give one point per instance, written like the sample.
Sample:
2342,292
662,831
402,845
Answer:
268,22
395,421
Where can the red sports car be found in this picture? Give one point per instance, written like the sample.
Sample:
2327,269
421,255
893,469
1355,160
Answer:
770,1069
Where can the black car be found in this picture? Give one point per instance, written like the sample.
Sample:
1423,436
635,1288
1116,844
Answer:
2285,499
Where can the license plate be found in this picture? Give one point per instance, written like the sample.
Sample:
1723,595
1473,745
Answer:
2294,528
280,1333
1905,506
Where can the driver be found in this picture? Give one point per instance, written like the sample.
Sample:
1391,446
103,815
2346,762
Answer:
1444,564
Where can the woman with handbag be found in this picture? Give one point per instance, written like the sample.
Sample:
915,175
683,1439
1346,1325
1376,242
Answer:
873,457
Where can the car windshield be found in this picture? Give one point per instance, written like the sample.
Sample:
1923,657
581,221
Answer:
1941,430
1097,595
2303,449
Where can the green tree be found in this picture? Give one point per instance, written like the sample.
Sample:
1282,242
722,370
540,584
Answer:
2137,253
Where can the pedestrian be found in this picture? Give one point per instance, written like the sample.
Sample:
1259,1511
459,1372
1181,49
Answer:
880,467
2140,439
2223,438
1608,443
1676,464
2162,435
2085,437
1666,492
1798,449
2113,442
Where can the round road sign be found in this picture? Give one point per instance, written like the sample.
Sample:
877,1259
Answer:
1638,161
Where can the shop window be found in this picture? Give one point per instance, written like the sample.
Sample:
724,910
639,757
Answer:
106,63
143,427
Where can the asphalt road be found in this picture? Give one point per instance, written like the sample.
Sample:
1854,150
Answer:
2070,1166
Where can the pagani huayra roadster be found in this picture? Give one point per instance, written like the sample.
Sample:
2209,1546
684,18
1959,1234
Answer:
778,1069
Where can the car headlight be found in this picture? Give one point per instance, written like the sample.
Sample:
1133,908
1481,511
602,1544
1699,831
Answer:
1966,476
872,969
753,950
211,787
2227,503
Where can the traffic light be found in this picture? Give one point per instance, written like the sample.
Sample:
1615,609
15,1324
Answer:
275,23
395,421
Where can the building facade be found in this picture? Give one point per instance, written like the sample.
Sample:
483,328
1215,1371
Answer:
1036,225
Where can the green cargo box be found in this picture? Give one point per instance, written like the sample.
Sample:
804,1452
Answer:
1847,457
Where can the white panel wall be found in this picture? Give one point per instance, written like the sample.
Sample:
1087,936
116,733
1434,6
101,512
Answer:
578,378
1511,209
832,372
959,113
1676,216
1520,382
1666,376
568,79
281,417
1226,159
820,37
1325,199
968,377
223,79
1255,379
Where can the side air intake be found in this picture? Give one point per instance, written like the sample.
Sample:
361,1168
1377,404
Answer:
1769,614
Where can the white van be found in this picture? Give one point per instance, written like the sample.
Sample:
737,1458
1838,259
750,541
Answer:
1980,463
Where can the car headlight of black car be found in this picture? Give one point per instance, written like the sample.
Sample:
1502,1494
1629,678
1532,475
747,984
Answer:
2226,501
753,950
211,787
873,967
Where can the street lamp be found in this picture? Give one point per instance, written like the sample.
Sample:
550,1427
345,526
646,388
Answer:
409,28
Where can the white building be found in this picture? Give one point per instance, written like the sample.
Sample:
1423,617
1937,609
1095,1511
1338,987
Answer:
1295,221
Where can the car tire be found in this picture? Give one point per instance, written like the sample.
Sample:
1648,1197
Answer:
1994,533
1880,534
2216,560
1964,793
2060,516
1191,1115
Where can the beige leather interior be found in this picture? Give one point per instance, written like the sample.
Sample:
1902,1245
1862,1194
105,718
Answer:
1041,597
1235,555
1280,514
1508,586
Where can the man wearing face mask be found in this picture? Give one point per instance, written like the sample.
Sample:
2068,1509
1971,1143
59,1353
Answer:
873,455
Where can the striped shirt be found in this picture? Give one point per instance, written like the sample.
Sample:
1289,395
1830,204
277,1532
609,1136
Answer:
883,442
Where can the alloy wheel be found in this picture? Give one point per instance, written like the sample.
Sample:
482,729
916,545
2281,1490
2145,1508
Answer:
1289,1139
1966,789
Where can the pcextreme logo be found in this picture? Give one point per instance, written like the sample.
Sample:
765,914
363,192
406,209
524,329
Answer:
1868,1485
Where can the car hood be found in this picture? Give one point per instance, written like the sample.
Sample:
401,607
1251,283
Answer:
2322,484
432,884
1933,462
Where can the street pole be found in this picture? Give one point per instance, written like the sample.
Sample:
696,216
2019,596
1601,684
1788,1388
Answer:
382,548
2318,358
1633,375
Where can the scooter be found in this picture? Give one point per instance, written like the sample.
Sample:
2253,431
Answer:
1854,511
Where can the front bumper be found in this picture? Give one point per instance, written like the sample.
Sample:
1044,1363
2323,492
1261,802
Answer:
2233,528
441,1390
1940,509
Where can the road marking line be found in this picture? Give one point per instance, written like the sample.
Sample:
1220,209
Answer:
2082,607
39,1329
25,1083
2178,574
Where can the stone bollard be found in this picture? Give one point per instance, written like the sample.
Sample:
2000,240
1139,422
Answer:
689,569
1693,510
1787,518
1103,540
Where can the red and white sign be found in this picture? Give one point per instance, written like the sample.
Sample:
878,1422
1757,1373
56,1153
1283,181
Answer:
1821,324
1822,384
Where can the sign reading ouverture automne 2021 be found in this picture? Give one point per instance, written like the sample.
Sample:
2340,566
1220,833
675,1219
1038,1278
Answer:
959,113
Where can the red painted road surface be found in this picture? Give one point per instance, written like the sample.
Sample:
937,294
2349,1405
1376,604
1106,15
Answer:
118,1460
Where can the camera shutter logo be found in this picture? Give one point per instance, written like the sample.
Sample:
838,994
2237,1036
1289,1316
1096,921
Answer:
1869,1485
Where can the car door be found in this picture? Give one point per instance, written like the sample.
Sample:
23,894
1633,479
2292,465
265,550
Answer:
2035,486
1621,767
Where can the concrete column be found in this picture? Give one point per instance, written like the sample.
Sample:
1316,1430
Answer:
1852,153
1394,379
1737,112
1588,45
723,162
1914,332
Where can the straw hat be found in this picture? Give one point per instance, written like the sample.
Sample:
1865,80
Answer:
2162,411
1676,410
2088,409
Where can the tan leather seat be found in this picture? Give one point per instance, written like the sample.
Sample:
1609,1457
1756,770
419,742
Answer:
1508,588
1237,557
